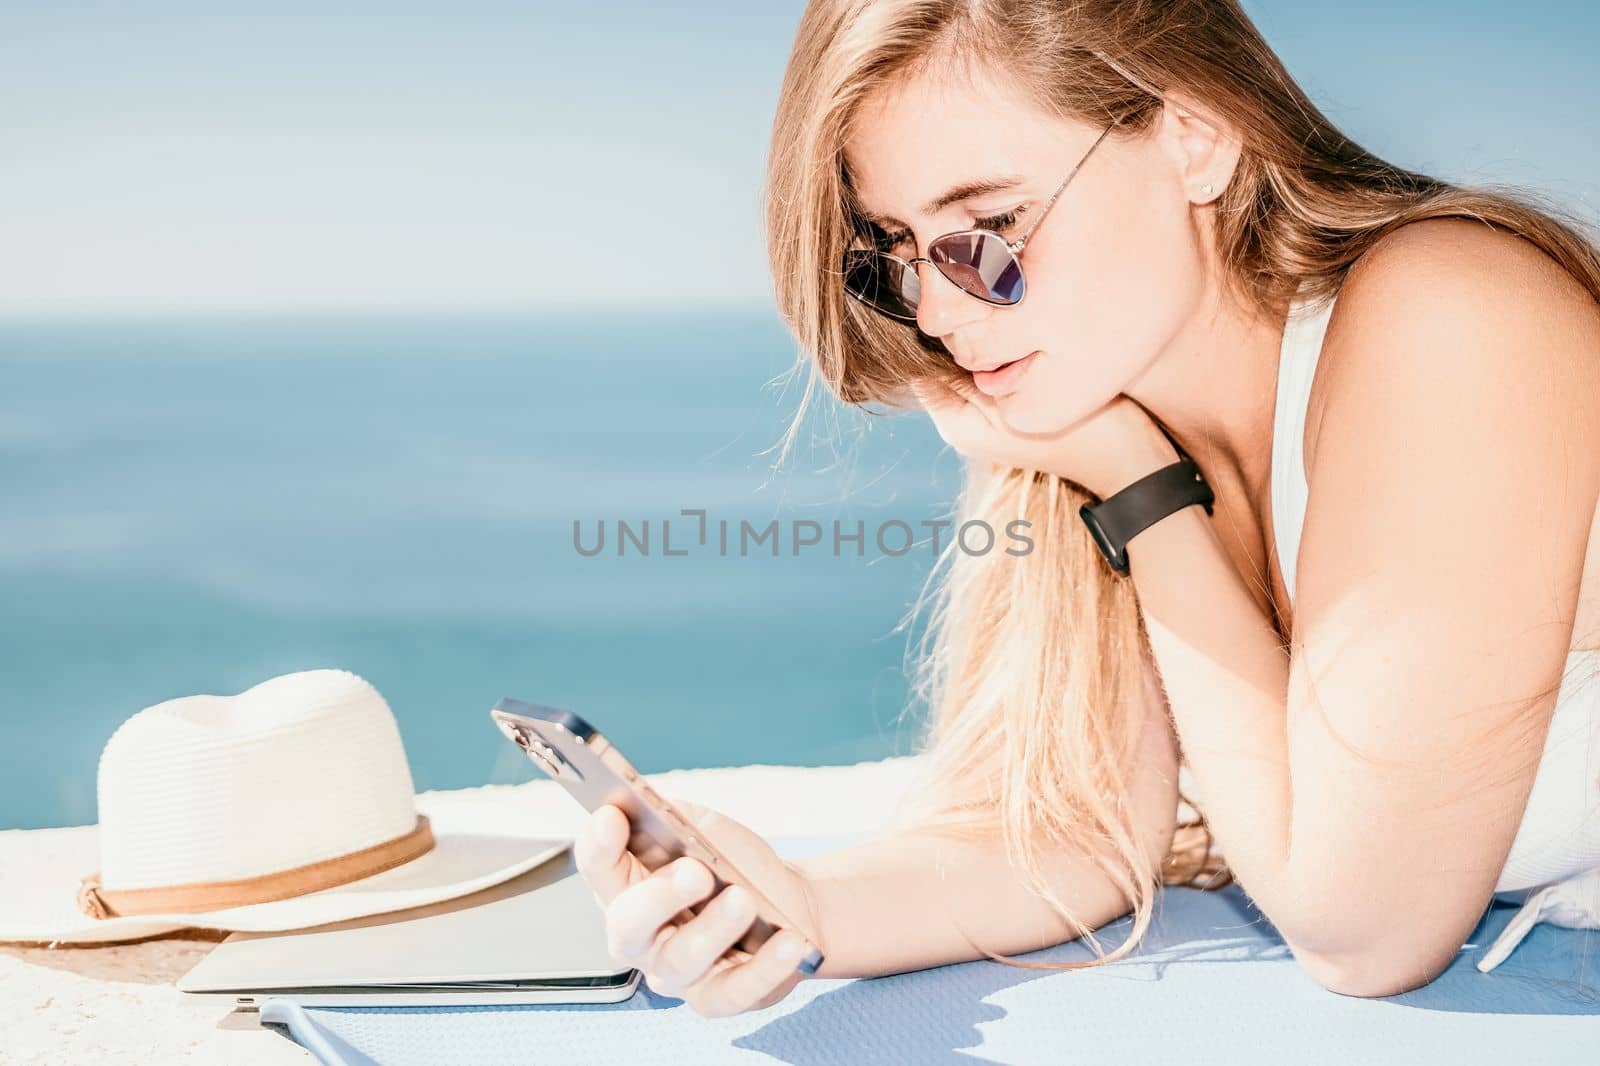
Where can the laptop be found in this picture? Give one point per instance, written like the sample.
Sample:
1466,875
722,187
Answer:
537,938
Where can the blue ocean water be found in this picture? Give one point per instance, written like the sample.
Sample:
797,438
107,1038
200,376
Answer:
196,505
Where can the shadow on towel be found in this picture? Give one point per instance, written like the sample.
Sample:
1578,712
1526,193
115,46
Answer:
1210,932
1553,971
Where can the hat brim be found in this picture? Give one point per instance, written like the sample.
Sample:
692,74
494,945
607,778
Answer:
40,904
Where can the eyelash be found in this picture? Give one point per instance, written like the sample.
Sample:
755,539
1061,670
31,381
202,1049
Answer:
999,223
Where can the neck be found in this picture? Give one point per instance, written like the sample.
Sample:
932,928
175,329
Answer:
1214,388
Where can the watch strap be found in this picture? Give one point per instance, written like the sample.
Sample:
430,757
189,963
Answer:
1117,519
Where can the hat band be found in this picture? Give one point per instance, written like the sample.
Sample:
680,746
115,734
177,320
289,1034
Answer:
201,896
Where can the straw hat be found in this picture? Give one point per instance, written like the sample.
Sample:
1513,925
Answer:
288,805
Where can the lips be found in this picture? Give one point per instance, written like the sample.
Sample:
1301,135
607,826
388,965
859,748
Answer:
1003,379
967,364
983,369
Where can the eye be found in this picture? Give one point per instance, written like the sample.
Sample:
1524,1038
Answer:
998,223
888,242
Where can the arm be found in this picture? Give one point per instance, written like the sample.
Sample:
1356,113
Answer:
900,902
1366,791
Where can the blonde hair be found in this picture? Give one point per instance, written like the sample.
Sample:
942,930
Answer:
1035,673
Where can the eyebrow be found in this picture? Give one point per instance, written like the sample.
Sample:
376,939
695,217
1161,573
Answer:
965,191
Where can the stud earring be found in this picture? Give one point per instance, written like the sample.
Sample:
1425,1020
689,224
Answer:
1205,190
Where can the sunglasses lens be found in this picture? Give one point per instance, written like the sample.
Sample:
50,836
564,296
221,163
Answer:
883,283
981,264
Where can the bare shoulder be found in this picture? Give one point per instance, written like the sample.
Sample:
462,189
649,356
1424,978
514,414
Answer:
1461,261
1450,300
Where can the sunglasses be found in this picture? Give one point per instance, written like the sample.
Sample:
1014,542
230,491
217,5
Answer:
980,262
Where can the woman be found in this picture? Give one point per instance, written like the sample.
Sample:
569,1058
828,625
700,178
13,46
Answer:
1389,385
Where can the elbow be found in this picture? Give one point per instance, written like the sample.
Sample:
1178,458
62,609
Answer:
1370,975
1374,952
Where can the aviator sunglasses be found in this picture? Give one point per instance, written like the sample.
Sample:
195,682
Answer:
981,262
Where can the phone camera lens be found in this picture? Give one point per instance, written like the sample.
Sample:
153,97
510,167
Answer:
552,760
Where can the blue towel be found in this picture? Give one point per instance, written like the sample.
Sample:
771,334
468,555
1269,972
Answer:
1212,983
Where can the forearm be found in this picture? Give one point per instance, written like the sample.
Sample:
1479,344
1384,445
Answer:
902,901
1226,679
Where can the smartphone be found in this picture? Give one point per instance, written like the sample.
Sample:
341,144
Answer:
587,765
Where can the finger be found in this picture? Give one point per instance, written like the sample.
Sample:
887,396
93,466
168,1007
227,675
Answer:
903,397
736,989
664,934
636,915
732,957
600,852
933,394
930,395
689,954
987,407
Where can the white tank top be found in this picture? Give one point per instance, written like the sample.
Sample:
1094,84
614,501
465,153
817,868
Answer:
1557,846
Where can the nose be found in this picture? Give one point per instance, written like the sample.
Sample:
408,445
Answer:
943,306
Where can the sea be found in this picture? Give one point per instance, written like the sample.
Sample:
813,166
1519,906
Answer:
571,507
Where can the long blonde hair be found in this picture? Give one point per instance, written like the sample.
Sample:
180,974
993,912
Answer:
1035,667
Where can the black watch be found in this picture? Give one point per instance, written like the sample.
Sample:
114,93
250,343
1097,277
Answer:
1119,517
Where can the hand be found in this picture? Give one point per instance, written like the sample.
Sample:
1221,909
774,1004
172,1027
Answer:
1104,452
691,956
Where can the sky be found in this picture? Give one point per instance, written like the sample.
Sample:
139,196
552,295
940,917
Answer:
184,157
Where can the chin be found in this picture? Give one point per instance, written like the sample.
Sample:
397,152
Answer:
1023,413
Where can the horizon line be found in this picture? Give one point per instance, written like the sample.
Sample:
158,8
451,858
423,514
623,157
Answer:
22,316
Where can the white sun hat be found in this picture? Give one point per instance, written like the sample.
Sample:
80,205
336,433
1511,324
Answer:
285,806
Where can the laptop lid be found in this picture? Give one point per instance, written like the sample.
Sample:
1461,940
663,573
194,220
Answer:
543,925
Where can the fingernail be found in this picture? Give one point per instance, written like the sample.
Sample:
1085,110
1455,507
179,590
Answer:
790,947
686,877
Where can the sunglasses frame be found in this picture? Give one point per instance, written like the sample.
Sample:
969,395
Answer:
1014,247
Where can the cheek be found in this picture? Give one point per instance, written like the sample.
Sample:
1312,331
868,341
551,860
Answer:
1113,291
1058,392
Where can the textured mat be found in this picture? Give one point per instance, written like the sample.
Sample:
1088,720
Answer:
1212,983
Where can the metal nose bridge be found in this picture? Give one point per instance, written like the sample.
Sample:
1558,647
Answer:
911,265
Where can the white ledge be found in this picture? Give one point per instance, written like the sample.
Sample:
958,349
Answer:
117,1004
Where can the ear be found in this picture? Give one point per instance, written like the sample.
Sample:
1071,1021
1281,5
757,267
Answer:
1203,148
